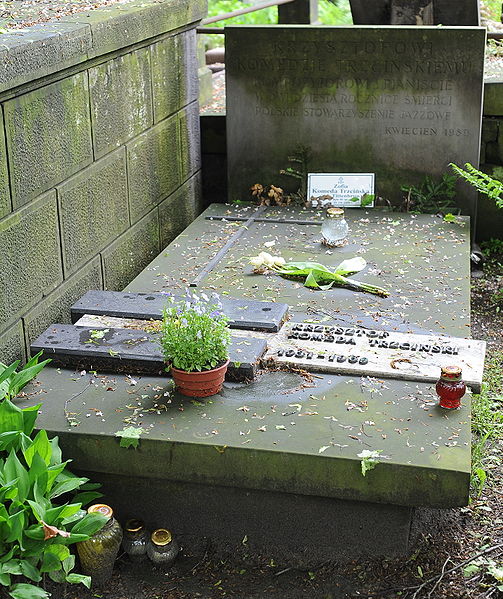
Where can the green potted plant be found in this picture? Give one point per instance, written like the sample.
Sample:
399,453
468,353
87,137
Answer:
194,340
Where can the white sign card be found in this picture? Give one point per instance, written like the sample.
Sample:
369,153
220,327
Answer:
340,189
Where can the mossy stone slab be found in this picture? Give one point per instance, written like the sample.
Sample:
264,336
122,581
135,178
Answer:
30,260
56,306
280,433
119,26
131,252
34,52
153,167
93,209
121,100
179,209
493,98
5,203
48,136
12,346
190,140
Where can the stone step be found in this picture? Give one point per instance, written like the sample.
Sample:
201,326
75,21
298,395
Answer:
130,350
243,314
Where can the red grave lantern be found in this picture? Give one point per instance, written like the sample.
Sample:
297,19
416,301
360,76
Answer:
450,388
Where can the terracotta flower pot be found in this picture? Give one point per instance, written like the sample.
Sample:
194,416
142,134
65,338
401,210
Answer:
199,384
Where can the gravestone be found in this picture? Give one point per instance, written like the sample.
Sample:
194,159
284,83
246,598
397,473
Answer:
445,12
401,102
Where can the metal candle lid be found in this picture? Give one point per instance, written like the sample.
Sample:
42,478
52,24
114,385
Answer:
161,537
101,508
134,525
451,373
335,212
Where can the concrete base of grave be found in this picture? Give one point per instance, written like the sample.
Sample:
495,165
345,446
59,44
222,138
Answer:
290,528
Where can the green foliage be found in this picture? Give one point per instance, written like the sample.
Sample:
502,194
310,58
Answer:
487,422
431,197
130,436
35,530
329,13
369,459
482,182
488,567
365,200
12,380
195,333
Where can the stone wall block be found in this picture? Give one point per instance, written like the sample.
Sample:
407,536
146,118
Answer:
166,65
499,159
56,306
12,344
121,100
5,205
48,136
178,210
490,127
153,167
30,258
190,140
131,252
93,209
493,98
39,50
189,80
120,26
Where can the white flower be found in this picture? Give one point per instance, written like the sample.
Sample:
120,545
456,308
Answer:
265,260
269,244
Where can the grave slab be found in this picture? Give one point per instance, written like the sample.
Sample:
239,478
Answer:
400,102
131,350
445,12
249,314
289,434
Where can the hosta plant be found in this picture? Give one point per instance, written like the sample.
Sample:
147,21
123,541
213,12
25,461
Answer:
38,521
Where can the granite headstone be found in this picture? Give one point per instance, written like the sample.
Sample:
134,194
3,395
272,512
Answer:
400,102
445,12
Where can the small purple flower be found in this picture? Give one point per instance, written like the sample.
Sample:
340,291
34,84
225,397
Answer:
184,322
199,335
205,297
216,314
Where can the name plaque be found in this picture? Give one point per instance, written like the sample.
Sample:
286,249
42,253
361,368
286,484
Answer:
347,190
372,352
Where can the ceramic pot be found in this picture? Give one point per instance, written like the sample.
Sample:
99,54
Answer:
162,548
97,555
199,384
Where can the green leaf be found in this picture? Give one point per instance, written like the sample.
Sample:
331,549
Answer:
4,579
20,379
65,486
50,561
27,591
14,469
11,417
41,446
89,524
29,417
29,570
79,578
130,436
86,497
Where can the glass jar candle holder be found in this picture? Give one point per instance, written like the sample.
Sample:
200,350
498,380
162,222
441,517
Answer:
335,229
162,548
135,540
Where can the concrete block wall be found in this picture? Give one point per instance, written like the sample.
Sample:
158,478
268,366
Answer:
100,162
490,219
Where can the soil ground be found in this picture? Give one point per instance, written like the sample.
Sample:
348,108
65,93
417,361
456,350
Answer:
444,539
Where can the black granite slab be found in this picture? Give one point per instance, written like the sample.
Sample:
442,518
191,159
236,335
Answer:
243,313
130,350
